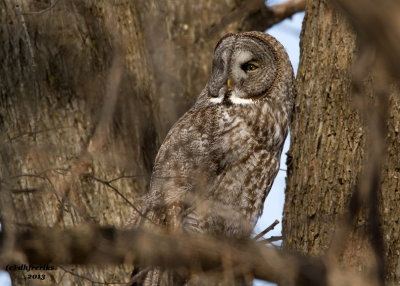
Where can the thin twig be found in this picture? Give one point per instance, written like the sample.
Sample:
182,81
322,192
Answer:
125,177
88,279
28,133
108,184
268,229
271,239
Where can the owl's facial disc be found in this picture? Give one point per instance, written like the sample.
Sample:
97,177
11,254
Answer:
244,69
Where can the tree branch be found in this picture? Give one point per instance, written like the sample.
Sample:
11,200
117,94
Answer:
266,17
255,16
96,245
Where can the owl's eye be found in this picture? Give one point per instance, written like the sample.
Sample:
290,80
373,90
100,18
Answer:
249,66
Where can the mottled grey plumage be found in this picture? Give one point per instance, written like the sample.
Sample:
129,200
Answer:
217,163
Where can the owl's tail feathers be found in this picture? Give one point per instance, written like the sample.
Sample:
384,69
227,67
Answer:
156,277
148,218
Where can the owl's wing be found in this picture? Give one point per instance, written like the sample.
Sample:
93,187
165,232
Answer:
184,168
187,161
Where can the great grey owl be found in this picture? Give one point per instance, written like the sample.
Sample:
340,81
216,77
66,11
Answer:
217,163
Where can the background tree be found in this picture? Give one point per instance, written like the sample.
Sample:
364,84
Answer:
345,130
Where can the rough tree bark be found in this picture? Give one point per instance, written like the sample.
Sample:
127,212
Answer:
328,146
88,90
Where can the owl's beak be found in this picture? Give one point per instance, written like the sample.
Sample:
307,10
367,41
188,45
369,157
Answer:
228,83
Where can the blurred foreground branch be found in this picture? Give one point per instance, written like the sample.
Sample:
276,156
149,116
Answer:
95,245
378,24
99,246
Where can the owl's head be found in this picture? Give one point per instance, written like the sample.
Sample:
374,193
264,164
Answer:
247,67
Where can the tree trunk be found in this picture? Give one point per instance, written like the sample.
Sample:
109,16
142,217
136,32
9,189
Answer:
88,91
329,147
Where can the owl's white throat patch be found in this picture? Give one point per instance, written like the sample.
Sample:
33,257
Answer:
216,99
232,98
239,100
